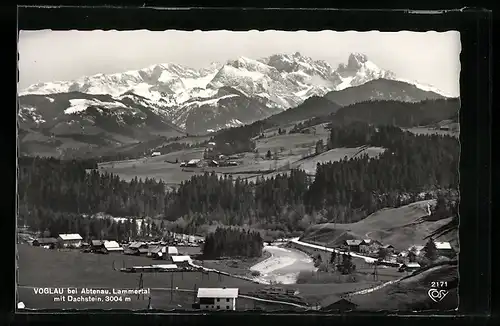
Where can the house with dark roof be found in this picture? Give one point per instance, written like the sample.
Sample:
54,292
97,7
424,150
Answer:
369,245
42,242
353,245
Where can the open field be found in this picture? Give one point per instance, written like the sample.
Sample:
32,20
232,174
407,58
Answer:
400,227
290,149
333,155
411,293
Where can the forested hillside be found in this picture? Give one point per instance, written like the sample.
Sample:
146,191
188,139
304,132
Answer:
347,190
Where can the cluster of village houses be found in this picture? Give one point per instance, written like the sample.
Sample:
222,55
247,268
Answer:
395,258
153,249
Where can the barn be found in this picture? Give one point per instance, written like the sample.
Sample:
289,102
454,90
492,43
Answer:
73,240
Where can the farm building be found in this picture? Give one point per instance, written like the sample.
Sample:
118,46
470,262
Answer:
182,261
155,154
96,245
217,298
389,248
213,163
70,240
409,267
136,248
193,163
369,245
112,246
42,242
353,245
336,303
417,249
444,249
162,252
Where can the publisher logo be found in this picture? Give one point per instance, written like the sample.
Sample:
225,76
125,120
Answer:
437,295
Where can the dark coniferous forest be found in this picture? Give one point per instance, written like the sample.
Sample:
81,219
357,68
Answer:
412,166
232,242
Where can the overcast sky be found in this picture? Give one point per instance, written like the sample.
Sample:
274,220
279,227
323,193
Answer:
431,57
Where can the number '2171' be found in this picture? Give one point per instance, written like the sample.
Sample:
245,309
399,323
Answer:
439,284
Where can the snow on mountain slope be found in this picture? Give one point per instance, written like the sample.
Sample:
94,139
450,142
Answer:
79,105
268,85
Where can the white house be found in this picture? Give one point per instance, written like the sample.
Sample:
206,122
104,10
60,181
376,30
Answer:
217,298
161,251
70,240
112,246
444,249
155,154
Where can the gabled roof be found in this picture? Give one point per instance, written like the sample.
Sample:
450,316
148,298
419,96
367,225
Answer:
135,245
179,259
166,266
230,293
387,246
111,244
71,236
353,242
173,251
412,265
442,245
417,247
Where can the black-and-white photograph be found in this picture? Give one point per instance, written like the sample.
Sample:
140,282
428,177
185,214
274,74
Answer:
238,170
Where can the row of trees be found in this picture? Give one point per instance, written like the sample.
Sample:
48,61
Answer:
232,242
51,224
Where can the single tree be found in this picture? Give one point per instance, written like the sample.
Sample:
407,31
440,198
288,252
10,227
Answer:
430,251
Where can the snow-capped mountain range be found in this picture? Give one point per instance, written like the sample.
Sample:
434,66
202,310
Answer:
173,96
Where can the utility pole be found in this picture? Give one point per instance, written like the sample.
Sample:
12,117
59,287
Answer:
171,286
141,286
375,271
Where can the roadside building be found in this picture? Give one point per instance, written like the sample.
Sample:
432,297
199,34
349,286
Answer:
155,154
73,240
444,249
353,245
217,298
369,245
45,242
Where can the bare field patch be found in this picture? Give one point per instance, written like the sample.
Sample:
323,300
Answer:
333,155
395,226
